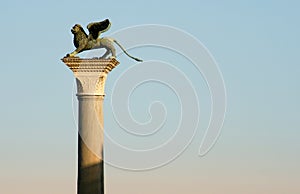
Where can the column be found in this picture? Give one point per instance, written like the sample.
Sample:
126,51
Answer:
90,77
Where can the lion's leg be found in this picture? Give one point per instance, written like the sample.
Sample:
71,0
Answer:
72,54
105,54
113,51
80,48
110,49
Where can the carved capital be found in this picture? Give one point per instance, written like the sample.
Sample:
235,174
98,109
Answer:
89,84
90,74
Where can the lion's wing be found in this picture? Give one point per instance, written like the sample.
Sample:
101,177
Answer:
96,28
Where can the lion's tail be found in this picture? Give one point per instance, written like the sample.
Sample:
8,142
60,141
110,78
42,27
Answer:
124,50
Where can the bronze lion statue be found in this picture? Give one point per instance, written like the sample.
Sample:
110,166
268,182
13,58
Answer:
84,42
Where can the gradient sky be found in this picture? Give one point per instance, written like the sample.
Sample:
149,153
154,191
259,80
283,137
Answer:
256,45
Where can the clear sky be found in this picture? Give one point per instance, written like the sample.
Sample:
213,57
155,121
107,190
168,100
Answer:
256,46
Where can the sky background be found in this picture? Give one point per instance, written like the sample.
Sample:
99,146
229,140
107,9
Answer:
256,45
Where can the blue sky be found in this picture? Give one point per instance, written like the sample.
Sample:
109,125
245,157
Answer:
256,45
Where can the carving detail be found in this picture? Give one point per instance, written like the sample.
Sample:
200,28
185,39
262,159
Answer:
100,84
90,84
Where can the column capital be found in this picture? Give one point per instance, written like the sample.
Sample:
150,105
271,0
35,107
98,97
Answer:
90,74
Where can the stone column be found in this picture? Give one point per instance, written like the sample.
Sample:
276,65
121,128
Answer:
90,77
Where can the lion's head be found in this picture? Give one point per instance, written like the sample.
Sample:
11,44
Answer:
77,28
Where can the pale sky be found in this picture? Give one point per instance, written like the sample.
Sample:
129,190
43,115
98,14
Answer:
256,46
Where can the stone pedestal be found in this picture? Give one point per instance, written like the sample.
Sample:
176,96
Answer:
90,77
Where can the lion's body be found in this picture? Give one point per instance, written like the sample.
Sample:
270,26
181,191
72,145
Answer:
84,42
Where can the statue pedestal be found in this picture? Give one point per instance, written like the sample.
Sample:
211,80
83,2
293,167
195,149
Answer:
90,77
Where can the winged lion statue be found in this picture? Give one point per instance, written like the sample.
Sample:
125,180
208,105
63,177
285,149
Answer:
84,42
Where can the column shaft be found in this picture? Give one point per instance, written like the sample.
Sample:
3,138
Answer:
90,145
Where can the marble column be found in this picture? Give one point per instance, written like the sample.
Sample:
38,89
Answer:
90,77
